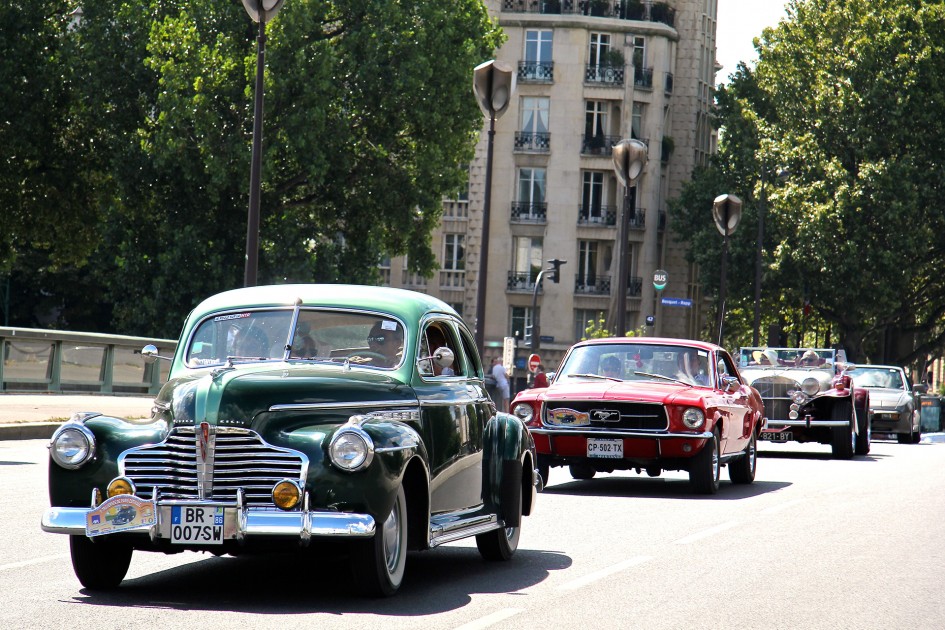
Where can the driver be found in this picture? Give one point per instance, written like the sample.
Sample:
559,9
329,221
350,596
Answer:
610,367
387,339
690,369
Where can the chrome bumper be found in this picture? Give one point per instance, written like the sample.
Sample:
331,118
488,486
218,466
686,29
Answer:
774,425
238,524
618,433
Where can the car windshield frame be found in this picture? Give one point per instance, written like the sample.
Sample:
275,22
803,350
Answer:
865,376
295,333
636,362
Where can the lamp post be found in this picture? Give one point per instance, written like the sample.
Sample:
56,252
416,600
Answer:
493,85
555,270
629,158
726,212
260,11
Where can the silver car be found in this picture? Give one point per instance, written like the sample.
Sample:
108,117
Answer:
894,402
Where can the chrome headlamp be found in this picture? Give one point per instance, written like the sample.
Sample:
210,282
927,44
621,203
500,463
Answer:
810,386
523,411
72,445
693,418
799,397
351,449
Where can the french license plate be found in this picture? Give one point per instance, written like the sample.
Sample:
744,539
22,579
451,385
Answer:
196,524
612,449
777,436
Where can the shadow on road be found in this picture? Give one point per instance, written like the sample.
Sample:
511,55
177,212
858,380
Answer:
658,488
436,581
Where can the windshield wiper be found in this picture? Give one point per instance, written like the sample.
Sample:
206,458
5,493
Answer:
663,377
598,376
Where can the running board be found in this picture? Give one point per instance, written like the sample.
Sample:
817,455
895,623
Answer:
455,529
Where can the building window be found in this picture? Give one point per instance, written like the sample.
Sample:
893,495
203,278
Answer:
636,121
639,52
520,322
534,134
531,196
384,266
537,64
584,318
587,280
592,197
454,252
599,47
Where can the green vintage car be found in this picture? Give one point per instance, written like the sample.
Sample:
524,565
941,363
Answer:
296,415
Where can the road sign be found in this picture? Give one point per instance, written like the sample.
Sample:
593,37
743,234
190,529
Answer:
533,361
676,302
660,279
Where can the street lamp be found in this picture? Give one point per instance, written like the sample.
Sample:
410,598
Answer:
260,11
493,85
726,212
629,158
555,270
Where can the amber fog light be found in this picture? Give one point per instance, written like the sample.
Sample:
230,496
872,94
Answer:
120,485
286,494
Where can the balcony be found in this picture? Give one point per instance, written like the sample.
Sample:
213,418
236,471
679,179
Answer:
456,209
413,280
598,144
522,281
606,75
532,141
602,216
637,219
643,78
641,10
452,280
529,212
536,72
592,285
634,286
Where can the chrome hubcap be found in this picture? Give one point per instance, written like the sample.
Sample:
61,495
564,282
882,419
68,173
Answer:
392,548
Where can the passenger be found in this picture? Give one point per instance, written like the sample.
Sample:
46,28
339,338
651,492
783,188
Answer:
387,339
610,367
809,359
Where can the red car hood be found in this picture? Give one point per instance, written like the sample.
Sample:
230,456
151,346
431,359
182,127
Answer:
639,391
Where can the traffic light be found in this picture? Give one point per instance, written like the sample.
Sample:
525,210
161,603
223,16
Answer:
556,272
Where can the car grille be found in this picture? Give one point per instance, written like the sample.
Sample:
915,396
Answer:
240,459
619,415
774,393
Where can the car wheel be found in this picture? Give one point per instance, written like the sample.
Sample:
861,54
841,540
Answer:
864,435
843,443
379,562
581,471
706,467
544,469
742,470
100,564
500,544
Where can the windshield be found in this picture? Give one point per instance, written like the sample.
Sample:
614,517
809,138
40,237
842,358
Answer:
888,378
787,357
319,335
629,361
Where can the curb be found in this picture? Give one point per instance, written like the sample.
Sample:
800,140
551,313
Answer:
28,430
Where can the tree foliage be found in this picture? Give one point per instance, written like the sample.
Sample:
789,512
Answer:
146,108
848,95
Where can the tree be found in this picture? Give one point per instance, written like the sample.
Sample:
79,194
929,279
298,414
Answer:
848,94
368,119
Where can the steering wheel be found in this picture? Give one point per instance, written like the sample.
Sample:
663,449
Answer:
379,359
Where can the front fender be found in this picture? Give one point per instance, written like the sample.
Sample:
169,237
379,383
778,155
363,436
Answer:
507,448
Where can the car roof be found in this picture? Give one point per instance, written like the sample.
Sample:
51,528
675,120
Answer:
407,305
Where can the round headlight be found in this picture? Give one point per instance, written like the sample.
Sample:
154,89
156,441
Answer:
799,397
72,446
351,449
810,386
693,418
523,411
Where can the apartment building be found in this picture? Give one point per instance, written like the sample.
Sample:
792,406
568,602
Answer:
589,73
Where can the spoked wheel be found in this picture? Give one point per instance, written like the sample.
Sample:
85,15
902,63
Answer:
101,564
706,467
379,562
843,443
742,470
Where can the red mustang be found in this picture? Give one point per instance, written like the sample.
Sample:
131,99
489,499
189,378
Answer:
648,404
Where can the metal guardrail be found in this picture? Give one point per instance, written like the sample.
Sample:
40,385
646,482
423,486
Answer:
35,360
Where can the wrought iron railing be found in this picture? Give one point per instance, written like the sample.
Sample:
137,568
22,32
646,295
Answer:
604,74
529,212
533,141
641,10
598,144
597,215
536,71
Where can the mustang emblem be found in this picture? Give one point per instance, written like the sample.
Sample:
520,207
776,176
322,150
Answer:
605,415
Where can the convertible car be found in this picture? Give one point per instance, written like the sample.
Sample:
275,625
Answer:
895,404
809,396
646,404
296,415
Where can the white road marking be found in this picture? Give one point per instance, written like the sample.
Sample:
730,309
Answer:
782,506
706,533
26,563
598,575
491,620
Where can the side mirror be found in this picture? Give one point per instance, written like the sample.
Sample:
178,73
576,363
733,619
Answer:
444,357
150,354
920,388
730,384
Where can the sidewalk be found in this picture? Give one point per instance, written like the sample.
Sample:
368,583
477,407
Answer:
36,416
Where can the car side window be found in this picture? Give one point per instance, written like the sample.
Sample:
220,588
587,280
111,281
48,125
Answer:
436,335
